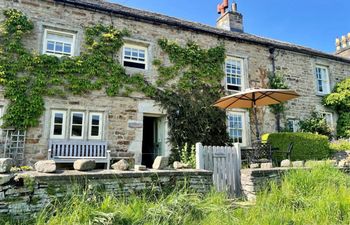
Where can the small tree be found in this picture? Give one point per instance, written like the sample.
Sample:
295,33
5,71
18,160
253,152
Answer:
339,100
316,124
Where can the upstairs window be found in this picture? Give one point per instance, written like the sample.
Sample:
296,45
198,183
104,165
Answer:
322,79
58,43
234,74
135,56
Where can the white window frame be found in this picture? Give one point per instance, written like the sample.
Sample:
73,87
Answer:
1,122
244,125
329,122
326,86
99,137
295,124
138,47
64,124
241,61
45,40
82,126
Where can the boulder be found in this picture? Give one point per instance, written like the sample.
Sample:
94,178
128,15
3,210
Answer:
6,164
343,163
286,163
266,166
160,163
254,166
179,165
45,166
5,178
84,164
298,164
121,165
140,168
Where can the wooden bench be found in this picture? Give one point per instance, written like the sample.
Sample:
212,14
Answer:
64,151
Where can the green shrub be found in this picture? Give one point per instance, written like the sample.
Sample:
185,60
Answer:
316,124
307,146
343,125
340,145
318,196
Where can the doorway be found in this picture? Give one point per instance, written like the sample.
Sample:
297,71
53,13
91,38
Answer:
153,139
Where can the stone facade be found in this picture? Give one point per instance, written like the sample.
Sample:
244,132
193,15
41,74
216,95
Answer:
123,116
31,193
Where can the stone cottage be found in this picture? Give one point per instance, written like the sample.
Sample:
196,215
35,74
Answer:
136,126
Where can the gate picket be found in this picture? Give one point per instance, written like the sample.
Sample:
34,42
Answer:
225,162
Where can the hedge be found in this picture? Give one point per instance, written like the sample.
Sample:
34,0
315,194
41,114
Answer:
307,146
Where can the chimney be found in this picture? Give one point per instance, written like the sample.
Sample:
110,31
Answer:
230,19
343,46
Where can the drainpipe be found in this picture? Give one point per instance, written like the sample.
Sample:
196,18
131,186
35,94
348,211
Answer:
273,62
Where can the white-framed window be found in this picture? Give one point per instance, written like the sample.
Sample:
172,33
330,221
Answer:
292,125
95,126
58,124
322,79
58,43
77,125
237,127
135,56
234,74
328,116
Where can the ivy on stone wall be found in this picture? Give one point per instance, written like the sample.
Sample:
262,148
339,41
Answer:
187,90
339,100
28,77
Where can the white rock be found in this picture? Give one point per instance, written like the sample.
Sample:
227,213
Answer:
254,166
298,164
266,165
140,168
160,163
6,164
84,164
179,165
45,166
121,165
343,163
286,163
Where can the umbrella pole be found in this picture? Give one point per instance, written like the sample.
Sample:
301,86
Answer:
256,122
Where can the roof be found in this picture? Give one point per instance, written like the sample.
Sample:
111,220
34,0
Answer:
156,18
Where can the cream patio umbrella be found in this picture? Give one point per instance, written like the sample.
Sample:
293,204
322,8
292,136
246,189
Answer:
252,98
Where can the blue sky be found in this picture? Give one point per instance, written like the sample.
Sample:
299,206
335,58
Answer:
311,23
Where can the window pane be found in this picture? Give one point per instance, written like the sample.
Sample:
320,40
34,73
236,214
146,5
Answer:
95,120
59,118
50,46
59,47
95,130
67,48
77,131
77,118
57,130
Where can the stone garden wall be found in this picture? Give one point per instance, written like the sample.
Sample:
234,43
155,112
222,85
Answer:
29,192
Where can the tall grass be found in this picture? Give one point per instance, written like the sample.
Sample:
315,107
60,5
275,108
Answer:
317,196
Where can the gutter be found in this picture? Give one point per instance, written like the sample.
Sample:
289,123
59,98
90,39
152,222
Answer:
225,34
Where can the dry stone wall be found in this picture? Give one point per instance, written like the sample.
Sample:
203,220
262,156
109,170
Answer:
33,191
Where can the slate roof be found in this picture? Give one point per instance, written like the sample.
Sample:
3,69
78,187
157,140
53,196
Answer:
156,18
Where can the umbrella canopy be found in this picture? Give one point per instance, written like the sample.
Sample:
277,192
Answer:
256,97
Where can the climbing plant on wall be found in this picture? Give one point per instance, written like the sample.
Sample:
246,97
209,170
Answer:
339,100
28,77
187,89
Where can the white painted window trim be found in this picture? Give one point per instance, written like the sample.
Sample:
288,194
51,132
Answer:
139,47
244,125
331,118
82,126
99,137
241,60
58,33
1,121
326,90
295,124
64,124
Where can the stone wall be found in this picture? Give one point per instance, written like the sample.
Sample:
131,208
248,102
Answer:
299,69
34,191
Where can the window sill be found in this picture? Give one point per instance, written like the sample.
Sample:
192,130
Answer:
321,94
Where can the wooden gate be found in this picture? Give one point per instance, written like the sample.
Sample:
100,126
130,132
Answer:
225,162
